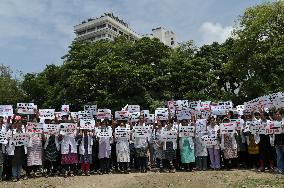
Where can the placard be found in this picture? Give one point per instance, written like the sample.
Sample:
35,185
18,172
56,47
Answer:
228,105
274,124
26,108
6,110
104,114
34,127
65,110
181,105
219,110
194,105
186,131
88,124
167,136
228,128
134,116
74,115
209,140
51,129
46,113
150,119
92,108
171,107
145,113
122,132
184,115
3,137
84,115
121,115
68,128
58,115
141,131
239,122
162,113
254,127
204,106
104,132
21,139
133,108
200,126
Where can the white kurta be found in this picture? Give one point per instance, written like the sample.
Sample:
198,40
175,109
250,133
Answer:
122,150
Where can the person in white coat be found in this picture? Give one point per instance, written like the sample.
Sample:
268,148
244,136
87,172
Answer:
85,150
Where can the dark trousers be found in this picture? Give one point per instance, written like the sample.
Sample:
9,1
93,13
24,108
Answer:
104,165
123,166
142,163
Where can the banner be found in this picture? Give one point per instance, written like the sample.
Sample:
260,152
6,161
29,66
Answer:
162,113
3,138
67,128
121,115
51,129
104,114
6,110
92,108
47,113
186,131
105,132
141,131
26,108
228,128
122,132
88,124
21,139
34,127
133,108
134,116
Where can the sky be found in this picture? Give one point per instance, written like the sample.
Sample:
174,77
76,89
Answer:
35,33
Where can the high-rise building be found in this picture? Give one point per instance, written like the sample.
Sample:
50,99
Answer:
169,38
107,26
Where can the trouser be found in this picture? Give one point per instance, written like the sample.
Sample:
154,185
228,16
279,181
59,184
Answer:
242,159
104,165
159,163
85,167
188,166
123,166
214,158
201,162
230,163
17,169
51,166
142,163
133,163
253,160
280,157
1,170
69,167
168,164
33,168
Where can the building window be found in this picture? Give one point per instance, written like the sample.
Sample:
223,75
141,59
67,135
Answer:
103,35
113,28
109,36
109,26
101,26
120,32
98,36
172,38
172,42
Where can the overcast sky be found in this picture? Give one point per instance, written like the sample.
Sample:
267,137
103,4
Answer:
34,33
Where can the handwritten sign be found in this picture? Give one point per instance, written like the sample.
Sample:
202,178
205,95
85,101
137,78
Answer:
218,110
181,105
6,110
134,116
254,127
200,126
186,131
141,131
58,115
68,128
105,132
26,108
47,113
34,127
51,129
84,115
92,109
169,136
150,119
88,124
133,108
171,107
3,137
21,139
121,115
104,114
228,128
204,106
122,132
239,122
184,115
162,113
74,115
209,140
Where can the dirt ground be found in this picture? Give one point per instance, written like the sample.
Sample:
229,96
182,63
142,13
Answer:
235,178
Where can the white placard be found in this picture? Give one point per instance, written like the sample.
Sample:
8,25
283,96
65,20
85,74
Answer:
51,129
181,105
145,113
240,109
194,105
186,131
150,119
26,108
134,116
88,124
228,128
204,106
228,105
274,124
34,127
92,108
239,122
121,115
162,113
47,113
169,136
200,126
171,107
219,110
184,114
104,114
254,127
141,131
84,115
21,139
209,140
122,132
6,110
65,110
68,128
74,115
104,132
133,108
3,137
